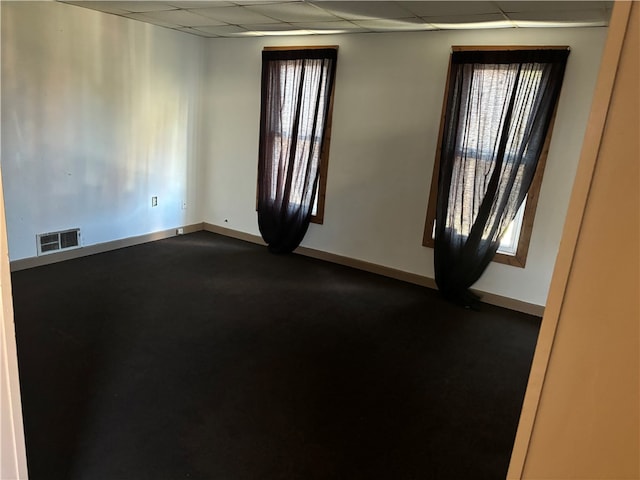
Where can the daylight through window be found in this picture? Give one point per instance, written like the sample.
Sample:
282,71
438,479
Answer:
296,128
495,118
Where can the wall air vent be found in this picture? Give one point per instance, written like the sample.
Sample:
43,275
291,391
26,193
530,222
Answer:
57,241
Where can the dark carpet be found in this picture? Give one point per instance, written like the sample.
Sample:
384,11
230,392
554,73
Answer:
206,357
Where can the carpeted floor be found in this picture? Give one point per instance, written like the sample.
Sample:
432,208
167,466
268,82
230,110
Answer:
205,357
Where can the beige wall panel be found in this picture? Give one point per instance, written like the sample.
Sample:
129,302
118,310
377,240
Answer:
13,457
587,424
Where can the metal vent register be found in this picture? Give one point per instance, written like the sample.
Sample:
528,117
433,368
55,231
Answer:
56,241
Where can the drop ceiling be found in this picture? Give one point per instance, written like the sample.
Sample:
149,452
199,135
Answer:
251,18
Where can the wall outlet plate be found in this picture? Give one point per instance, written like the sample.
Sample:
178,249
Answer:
154,201
179,231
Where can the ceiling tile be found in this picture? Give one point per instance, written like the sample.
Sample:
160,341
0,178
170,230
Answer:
491,17
317,28
199,4
364,10
337,25
317,16
141,6
294,12
194,31
182,18
474,25
272,27
235,15
143,17
433,9
222,30
106,7
406,24
578,16
262,2
557,6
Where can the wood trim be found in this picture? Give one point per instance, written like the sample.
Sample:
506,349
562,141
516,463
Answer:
421,280
520,258
489,298
427,238
582,184
301,47
414,278
237,234
324,154
458,48
32,262
510,303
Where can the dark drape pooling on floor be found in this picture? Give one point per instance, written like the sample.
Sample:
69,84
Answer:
499,109
296,86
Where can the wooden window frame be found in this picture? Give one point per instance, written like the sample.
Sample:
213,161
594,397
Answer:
321,193
520,257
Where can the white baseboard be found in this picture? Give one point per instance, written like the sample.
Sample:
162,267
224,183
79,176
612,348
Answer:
31,262
490,298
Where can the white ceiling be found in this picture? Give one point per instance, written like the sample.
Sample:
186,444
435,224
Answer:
246,18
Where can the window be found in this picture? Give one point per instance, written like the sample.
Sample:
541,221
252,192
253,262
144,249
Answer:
488,89
296,115
509,241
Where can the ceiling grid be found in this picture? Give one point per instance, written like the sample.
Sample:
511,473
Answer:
251,18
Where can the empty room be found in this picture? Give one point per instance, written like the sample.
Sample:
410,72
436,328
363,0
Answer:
319,239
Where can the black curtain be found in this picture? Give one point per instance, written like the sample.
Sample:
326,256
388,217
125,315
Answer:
499,109
296,91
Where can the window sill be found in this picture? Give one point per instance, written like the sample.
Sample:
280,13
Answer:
517,260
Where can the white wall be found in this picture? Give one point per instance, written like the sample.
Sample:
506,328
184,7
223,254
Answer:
99,113
386,116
